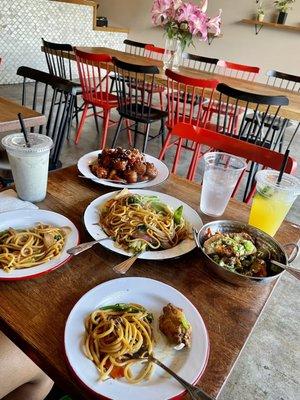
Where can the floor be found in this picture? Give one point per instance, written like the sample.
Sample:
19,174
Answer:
268,368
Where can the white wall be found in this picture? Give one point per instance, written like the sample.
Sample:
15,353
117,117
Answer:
271,49
24,22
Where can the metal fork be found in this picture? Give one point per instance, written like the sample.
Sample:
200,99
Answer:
124,266
195,392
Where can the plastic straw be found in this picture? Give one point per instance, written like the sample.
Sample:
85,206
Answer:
285,160
23,129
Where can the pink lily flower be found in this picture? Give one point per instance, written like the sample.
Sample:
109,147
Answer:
214,24
160,11
204,5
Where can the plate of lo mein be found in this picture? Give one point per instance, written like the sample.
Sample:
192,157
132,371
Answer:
116,324
156,225
34,242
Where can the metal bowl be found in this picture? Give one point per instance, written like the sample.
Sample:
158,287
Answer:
225,226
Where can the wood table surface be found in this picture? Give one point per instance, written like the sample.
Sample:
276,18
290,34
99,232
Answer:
292,111
33,313
9,116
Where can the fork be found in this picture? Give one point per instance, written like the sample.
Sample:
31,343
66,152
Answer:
194,392
124,266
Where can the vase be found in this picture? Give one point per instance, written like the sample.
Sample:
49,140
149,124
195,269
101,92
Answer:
172,57
282,17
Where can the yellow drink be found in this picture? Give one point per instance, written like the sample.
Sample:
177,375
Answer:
272,200
267,213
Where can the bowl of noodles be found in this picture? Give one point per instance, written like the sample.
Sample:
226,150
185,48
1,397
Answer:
34,242
156,225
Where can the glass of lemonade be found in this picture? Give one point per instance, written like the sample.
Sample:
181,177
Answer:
221,174
272,201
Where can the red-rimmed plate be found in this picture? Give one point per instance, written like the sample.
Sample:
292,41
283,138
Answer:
21,219
153,295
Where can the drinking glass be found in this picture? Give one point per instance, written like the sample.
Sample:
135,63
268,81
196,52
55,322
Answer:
272,200
221,174
29,165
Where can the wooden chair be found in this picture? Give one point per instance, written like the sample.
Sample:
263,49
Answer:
58,98
134,90
182,92
95,89
199,63
61,66
238,71
266,158
131,47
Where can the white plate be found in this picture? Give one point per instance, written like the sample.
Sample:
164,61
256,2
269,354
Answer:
27,218
86,160
154,295
91,219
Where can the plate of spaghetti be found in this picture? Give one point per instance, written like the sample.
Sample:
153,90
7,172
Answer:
34,242
142,221
128,166
112,329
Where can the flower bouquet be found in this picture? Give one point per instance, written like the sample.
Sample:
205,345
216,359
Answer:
183,21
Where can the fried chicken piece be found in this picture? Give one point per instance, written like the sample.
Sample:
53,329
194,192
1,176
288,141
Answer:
100,172
151,170
139,167
174,325
131,176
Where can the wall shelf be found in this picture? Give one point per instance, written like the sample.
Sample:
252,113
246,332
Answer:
260,24
94,5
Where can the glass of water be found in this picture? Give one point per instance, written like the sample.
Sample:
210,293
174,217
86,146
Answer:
221,174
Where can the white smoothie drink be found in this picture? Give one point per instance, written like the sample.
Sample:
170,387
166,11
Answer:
29,164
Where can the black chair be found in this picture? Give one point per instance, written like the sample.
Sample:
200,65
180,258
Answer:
233,120
59,62
134,84
282,81
200,63
131,47
55,98
288,82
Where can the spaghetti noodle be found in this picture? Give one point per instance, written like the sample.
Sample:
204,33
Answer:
115,337
30,247
138,223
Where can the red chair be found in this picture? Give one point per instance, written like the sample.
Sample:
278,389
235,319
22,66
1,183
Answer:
186,97
95,89
251,152
238,71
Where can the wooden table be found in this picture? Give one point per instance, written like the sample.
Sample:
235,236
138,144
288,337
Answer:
292,111
9,116
33,313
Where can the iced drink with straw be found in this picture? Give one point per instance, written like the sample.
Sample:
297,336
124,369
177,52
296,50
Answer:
272,200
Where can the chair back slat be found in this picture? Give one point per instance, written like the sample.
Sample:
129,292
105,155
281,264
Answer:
93,75
185,96
154,52
239,71
233,119
133,47
199,63
135,84
58,59
283,80
57,104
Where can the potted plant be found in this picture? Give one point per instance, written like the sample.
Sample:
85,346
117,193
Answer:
260,12
283,6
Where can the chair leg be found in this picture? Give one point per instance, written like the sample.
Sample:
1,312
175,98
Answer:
82,121
136,126
165,147
106,115
117,132
146,138
192,169
177,156
96,119
128,132
112,83
76,111
161,101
